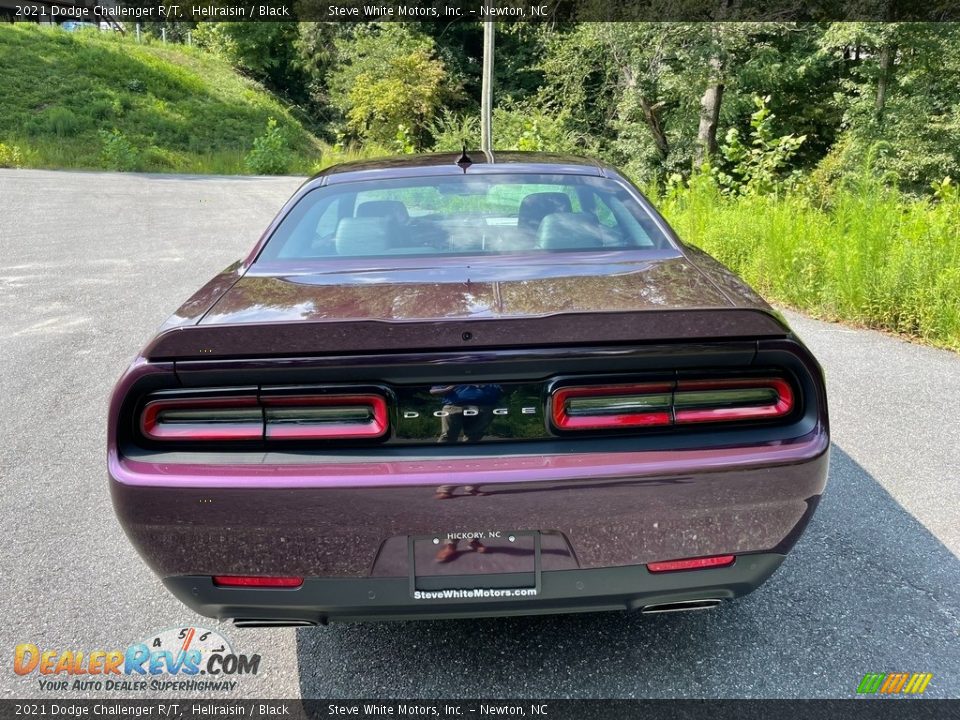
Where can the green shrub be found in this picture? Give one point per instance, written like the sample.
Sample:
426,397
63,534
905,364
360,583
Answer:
525,126
103,110
517,126
157,159
10,156
760,166
389,85
118,153
450,131
269,155
61,121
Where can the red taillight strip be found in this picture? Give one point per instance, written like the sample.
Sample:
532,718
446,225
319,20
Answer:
274,417
701,563
687,402
152,427
257,581
563,420
780,407
373,427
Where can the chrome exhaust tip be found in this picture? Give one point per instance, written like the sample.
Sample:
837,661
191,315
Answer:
681,606
271,623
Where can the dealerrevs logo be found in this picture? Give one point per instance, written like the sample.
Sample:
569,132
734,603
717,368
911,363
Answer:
177,659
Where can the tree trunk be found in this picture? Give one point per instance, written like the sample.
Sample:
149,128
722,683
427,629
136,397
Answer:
887,53
651,113
709,115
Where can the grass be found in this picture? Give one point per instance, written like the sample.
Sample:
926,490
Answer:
872,256
174,108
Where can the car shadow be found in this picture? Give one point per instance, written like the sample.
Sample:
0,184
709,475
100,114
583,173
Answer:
867,589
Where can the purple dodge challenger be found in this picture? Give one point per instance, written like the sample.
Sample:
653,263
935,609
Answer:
446,386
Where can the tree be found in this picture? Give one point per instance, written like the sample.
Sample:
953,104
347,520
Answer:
630,85
900,99
265,51
747,59
710,112
316,53
388,85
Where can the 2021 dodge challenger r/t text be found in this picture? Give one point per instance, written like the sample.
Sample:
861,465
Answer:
446,386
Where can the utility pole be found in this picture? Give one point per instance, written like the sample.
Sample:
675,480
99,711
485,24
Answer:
486,89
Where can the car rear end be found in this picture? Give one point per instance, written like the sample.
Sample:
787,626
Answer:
549,429
258,493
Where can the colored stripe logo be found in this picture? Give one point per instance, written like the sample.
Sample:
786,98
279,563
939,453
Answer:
894,683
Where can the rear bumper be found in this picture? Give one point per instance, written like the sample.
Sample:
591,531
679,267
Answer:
593,510
603,508
356,599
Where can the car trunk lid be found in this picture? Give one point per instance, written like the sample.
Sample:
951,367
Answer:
548,301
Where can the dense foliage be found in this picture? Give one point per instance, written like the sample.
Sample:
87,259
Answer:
819,160
658,99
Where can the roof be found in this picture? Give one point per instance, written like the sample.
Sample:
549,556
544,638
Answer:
446,164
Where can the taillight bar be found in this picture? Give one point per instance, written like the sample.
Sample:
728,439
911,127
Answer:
611,406
272,417
698,401
325,417
621,406
221,418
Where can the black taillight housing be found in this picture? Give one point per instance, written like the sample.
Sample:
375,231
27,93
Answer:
349,416
684,401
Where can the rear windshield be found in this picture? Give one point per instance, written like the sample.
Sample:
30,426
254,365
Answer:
469,214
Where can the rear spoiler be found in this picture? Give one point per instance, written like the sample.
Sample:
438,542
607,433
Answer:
257,340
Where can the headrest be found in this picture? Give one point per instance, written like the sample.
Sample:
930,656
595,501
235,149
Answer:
569,231
362,236
534,207
393,209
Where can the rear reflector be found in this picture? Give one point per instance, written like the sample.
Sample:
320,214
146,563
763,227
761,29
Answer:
257,581
691,564
610,407
325,417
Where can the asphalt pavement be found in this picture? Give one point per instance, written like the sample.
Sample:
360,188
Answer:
91,263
